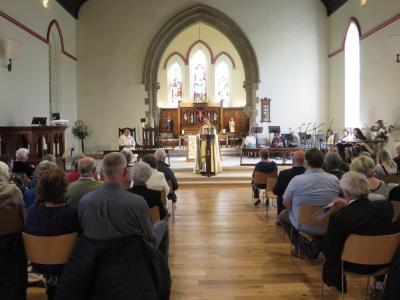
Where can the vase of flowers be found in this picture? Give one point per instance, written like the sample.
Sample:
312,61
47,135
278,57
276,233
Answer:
380,132
80,130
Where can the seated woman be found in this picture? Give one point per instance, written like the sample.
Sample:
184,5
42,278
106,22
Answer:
385,165
366,166
141,173
51,216
333,163
358,135
330,141
12,252
277,141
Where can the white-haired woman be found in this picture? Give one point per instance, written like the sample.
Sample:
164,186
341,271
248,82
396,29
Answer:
366,166
10,194
21,165
141,173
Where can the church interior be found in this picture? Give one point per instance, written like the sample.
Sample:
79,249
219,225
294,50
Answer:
222,99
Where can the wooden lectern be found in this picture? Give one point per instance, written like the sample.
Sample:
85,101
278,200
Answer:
38,139
208,139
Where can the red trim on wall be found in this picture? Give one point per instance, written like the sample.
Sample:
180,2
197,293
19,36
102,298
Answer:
171,55
227,55
365,35
194,44
37,35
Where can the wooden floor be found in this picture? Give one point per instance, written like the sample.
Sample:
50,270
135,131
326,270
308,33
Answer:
222,248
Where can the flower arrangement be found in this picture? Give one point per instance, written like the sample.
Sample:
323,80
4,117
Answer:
80,130
380,131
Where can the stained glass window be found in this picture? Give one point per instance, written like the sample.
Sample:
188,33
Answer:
174,84
198,75
222,86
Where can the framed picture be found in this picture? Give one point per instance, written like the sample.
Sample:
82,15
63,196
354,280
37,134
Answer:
265,110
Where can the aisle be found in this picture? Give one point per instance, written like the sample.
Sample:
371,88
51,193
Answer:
221,248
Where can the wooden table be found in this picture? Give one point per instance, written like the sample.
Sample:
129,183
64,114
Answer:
255,151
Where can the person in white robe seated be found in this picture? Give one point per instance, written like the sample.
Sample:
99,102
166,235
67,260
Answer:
126,140
200,164
157,180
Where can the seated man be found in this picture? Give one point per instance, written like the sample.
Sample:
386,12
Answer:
358,216
111,212
314,187
126,140
21,165
168,173
85,183
277,141
265,166
157,180
285,176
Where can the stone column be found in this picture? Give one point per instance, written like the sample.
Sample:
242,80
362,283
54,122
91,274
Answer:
154,111
251,100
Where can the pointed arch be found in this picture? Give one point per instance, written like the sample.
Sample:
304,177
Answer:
52,23
221,22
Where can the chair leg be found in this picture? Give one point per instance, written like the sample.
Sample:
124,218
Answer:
342,281
322,288
366,289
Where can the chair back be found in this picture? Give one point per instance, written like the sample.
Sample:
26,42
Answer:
390,178
22,176
171,187
307,215
163,197
155,214
271,182
396,210
370,250
11,219
262,177
49,250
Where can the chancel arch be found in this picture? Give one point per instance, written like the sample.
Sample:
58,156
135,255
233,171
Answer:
170,31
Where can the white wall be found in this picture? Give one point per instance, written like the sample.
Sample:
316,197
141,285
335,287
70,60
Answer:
24,92
380,74
289,38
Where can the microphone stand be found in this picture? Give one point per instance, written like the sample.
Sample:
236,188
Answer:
315,133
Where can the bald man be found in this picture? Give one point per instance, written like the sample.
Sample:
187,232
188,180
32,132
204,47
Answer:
285,176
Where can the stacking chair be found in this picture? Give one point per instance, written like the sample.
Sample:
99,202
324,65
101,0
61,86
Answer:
368,250
11,219
307,217
260,181
171,191
390,178
155,214
49,250
396,210
271,182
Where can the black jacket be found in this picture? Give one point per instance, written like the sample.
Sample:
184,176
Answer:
169,175
23,167
124,269
152,197
284,178
362,217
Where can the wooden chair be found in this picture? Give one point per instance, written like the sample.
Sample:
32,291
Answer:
271,182
11,219
390,178
171,191
396,210
155,214
260,181
368,250
49,250
307,217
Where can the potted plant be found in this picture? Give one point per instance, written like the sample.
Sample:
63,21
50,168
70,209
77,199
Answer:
80,130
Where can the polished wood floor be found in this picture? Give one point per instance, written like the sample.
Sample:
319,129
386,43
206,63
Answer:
222,248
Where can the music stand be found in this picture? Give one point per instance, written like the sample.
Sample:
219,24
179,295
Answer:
256,130
41,121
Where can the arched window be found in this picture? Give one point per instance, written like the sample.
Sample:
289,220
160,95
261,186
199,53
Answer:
352,76
54,71
198,75
222,82
175,85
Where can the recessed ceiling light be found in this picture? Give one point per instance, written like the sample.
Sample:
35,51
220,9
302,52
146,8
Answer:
363,2
45,3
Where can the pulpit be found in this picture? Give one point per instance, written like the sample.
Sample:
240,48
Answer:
207,140
39,140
